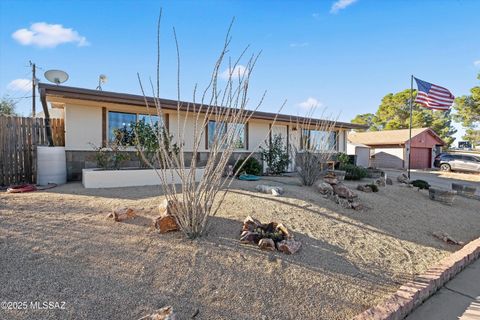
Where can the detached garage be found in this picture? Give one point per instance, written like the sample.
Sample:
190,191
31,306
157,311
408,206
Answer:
389,148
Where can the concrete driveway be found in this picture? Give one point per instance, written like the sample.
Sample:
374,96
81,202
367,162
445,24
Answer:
440,179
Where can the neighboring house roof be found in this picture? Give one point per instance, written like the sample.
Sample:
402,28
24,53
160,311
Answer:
137,100
388,137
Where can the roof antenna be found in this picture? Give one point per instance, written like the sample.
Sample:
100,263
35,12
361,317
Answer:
102,79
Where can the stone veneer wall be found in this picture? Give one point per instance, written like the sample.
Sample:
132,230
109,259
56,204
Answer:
78,160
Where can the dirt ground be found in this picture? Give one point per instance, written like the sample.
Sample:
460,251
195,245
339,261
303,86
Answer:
57,246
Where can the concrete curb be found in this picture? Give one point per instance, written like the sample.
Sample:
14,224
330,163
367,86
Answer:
413,293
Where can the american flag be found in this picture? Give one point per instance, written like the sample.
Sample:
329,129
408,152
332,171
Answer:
432,96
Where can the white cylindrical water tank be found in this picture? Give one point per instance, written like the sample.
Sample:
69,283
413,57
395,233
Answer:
51,165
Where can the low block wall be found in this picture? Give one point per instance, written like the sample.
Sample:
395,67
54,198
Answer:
79,160
95,178
414,293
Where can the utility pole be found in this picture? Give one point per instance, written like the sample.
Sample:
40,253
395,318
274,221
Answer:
34,84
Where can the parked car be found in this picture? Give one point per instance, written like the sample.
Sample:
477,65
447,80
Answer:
457,162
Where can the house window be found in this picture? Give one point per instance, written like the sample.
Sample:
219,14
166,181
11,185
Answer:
217,130
123,120
149,119
118,121
316,140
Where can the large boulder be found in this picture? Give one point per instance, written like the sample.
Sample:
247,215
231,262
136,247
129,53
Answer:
324,188
380,182
344,192
289,246
388,181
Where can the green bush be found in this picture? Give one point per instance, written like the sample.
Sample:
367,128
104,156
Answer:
352,172
276,156
248,166
343,159
373,186
421,184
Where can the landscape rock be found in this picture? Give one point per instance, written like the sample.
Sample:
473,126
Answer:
364,188
289,246
266,244
167,208
324,188
330,181
122,214
344,192
403,178
165,313
276,191
380,182
388,181
355,205
250,237
167,221
166,224
441,195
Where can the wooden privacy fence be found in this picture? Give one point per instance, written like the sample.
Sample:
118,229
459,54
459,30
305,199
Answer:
19,137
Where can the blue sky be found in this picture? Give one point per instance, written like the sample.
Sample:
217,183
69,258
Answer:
342,55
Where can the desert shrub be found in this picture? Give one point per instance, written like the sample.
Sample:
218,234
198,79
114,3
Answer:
248,166
353,172
421,184
276,155
373,186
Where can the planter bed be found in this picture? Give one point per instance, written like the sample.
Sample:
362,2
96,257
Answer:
128,177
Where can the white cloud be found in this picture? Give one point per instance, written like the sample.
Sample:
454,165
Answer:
46,35
237,72
299,44
340,5
476,63
20,85
310,103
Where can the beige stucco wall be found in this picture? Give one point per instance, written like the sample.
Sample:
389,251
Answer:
83,125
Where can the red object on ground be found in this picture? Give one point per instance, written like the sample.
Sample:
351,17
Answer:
22,188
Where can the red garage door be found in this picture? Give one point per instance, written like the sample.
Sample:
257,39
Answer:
421,158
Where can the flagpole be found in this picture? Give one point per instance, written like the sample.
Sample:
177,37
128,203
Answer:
410,126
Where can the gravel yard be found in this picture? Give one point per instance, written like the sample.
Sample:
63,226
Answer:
57,245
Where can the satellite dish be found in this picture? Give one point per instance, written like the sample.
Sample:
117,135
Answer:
56,76
102,79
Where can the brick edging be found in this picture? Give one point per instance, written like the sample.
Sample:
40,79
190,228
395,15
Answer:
413,293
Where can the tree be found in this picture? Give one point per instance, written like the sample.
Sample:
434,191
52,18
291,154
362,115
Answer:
366,119
7,106
394,113
468,113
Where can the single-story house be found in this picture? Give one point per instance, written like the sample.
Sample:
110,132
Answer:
389,148
90,117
